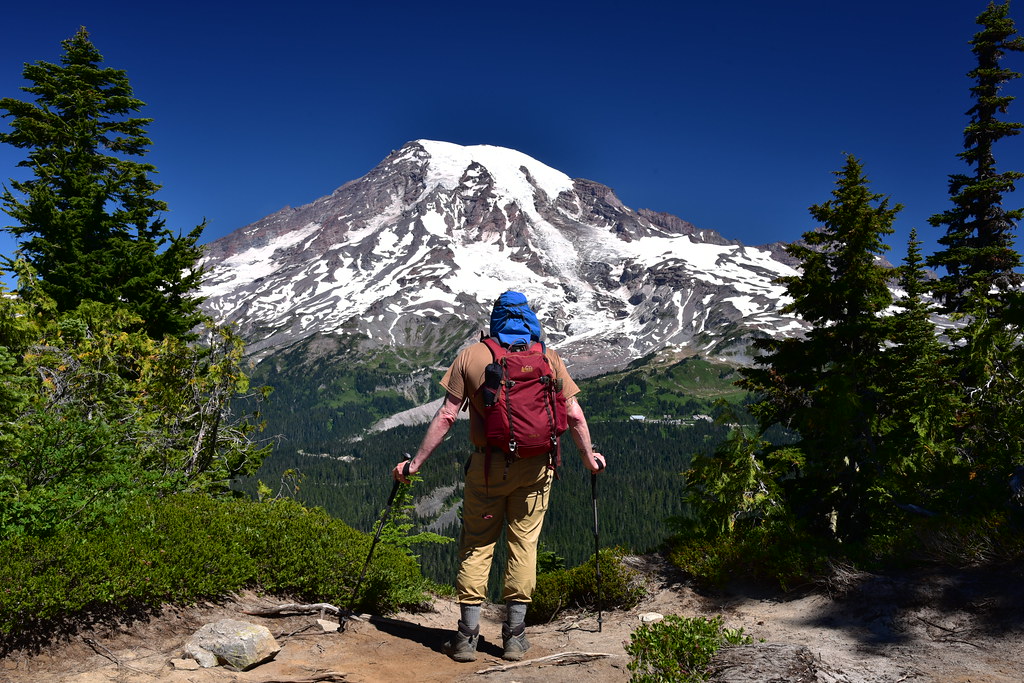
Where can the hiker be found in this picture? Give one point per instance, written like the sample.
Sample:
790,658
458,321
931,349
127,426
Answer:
501,490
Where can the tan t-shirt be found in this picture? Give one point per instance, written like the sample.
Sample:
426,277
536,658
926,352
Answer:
466,376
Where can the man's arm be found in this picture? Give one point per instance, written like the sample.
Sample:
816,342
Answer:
443,420
594,462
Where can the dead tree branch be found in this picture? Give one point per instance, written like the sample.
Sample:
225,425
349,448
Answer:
560,659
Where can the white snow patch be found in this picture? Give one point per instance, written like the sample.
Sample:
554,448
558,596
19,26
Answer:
254,263
434,223
448,163
744,304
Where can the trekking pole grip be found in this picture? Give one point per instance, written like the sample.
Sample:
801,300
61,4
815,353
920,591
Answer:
405,473
593,477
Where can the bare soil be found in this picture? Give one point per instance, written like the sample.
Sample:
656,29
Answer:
949,627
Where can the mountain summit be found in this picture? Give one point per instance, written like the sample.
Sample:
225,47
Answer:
434,233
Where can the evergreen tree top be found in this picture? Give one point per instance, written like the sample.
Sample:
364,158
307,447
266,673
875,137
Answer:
88,219
841,278
978,252
77,92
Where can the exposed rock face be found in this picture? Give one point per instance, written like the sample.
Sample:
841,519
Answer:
416,251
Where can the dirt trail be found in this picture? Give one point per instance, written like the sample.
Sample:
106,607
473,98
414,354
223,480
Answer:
958,627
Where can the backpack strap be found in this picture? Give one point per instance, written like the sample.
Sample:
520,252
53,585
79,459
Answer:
497,350
497,353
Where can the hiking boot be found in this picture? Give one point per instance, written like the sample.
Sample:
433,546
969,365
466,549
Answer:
515,642
462,646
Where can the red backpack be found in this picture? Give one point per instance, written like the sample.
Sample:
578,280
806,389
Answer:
524,409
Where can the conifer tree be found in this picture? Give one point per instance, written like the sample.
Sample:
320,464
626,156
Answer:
919,405
980,284
825,386
978,254
87,219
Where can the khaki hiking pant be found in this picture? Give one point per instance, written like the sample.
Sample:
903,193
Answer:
516,502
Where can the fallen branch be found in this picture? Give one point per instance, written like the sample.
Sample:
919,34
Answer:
560,659
104,652
952,632
292,607
328,677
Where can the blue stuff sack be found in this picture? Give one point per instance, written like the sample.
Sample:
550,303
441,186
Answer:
512,320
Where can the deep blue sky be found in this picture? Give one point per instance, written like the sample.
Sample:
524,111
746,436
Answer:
730,115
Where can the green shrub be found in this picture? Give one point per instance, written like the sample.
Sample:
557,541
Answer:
678,649
189,547
991,540
95,413
577,588
775,553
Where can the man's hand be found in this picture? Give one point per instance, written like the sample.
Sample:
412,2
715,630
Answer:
403,470
595,462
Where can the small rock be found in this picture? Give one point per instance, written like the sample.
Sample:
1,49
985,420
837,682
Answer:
237,643
184,664
651,617
328,626
201,655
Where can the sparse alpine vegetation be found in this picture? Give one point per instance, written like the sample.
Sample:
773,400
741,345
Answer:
580,588
678,649
189,547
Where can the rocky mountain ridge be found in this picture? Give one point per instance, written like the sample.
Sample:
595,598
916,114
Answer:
428,239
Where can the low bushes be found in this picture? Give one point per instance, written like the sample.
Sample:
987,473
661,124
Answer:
678,649
775,553
781,554
189,547
577,588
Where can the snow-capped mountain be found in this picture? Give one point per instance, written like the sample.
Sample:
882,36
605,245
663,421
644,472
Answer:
431,236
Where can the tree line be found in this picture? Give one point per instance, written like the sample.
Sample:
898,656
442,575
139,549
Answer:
113,384
897,421
635,498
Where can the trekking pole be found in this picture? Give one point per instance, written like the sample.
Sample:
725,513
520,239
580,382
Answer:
376,536
597,543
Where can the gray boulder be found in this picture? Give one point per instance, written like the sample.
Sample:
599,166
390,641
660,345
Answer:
238,644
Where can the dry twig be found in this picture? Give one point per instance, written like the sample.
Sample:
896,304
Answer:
560,659
296,632
950,631
326,677
100,650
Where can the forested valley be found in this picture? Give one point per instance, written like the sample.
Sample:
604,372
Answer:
648,420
